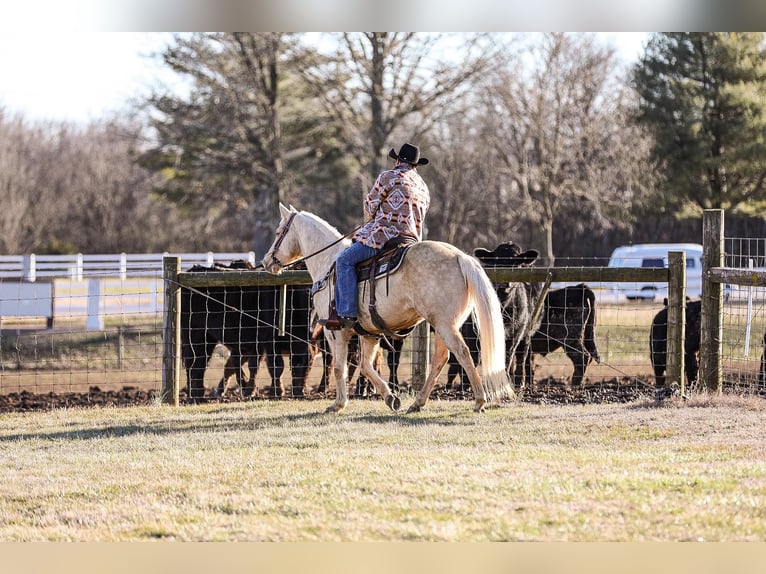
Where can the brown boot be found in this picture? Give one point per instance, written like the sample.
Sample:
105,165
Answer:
333,321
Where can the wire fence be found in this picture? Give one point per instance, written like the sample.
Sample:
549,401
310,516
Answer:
744,316
103,332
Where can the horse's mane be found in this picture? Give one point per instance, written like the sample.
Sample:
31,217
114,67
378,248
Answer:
317,221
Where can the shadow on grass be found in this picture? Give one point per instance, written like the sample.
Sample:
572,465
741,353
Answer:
236,419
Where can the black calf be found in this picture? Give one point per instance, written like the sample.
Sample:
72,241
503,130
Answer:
245,320
658,342
517,301
567,321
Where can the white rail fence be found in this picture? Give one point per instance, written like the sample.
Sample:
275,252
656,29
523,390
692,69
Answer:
91,286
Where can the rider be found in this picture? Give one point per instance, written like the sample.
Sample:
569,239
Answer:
395,206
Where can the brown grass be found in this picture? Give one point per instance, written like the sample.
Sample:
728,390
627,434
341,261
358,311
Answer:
283,471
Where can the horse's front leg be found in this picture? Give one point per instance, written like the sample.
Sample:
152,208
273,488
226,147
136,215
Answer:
338,341
369,351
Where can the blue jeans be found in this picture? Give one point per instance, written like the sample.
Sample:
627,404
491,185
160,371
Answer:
346,283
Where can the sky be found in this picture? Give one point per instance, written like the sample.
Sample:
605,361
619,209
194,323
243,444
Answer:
84,76
79,60
77,77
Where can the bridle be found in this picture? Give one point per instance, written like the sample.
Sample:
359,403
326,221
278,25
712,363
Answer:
282,236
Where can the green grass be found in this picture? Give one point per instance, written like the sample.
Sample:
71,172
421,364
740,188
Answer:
284,471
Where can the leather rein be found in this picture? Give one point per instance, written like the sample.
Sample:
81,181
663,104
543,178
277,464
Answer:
283,234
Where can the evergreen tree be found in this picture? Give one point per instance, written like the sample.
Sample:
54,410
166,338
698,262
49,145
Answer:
703,96
244,138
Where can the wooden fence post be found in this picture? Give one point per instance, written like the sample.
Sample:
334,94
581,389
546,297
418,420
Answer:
421,357
676,318
711,336
171,332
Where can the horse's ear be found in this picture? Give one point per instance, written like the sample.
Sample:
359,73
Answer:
293,209
284,211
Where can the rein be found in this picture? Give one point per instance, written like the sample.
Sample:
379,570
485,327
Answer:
282,235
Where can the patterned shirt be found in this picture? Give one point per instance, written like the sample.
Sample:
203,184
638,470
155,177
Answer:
396,205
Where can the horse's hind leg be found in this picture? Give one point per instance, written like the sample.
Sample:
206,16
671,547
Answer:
439,359
453,340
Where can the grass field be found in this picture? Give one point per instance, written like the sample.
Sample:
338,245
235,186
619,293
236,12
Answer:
284,471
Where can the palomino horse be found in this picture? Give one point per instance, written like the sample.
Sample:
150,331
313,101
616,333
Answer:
436,282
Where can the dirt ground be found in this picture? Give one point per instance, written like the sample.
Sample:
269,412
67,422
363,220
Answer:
547,391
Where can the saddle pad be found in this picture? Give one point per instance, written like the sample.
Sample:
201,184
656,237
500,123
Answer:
387,262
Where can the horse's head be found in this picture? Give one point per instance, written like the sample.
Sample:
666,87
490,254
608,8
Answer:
285,248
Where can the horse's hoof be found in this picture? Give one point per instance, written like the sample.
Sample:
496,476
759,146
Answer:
478,408
393,402
333,408
414,408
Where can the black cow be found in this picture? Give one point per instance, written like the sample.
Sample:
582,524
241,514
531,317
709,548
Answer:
658,342
274,347
568,321
518,302
245,320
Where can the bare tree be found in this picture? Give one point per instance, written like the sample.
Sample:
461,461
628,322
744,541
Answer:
71,189
471,205
225,148
381,85
109,203
559,132
30,203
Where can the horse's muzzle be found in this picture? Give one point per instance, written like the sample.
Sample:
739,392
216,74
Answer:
273,266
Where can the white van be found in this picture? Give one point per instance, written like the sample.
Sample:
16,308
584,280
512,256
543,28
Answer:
656,255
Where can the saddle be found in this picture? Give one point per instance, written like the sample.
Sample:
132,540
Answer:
387,261
383,264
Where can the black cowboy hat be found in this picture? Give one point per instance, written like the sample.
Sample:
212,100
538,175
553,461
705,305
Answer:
408,153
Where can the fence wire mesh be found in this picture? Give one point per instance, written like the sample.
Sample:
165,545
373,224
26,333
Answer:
80,339
70,351
744,318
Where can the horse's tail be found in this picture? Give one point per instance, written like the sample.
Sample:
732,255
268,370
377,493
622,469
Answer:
488,318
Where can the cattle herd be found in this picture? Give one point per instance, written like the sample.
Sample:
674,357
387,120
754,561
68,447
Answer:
245,320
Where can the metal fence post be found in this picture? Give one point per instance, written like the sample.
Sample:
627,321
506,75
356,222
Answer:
711,336
171,332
